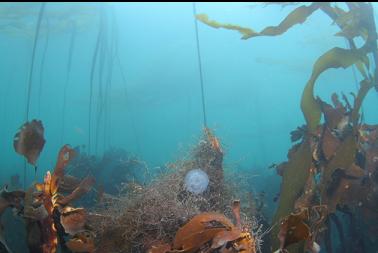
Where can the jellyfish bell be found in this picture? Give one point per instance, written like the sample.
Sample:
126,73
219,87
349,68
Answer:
196,181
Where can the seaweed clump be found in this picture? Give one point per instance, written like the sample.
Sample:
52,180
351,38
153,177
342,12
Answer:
148,216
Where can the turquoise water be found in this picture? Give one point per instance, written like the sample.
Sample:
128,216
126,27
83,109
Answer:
146,85
252,87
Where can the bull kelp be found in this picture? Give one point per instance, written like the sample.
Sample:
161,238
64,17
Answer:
138,127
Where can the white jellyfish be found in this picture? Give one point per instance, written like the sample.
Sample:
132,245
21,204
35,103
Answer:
196,181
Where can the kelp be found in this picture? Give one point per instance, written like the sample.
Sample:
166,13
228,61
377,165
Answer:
49,189
334,58
84,187
16,18
293,229
302,226
57,217
295,174
297,16
33,206
31,71
246,32
210,232
82,242
42,66
73,220
29,140
91,81
8,199
345,154
69,63
366,85
329,149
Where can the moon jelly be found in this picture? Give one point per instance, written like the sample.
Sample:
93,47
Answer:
196,181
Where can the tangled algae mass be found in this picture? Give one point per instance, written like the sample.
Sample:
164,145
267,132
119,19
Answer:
115,204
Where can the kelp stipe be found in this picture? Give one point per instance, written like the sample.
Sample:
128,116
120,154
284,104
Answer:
66,84
31,71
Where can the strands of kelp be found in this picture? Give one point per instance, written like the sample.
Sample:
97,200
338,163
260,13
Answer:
102,60
108,87
133,126
200,65
69,63
42,67
93,68
107,55
124,81
106,101
30,82
99,108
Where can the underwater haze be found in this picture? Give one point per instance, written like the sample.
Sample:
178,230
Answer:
132,83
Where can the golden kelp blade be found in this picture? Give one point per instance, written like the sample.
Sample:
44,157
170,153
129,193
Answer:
29,141
246,32
297,16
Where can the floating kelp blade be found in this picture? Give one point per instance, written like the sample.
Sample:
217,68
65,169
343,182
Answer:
297,16
29,140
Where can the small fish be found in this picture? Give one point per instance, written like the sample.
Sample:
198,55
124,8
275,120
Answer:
272,166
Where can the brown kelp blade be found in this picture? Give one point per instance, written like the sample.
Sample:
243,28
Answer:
293,229
29,141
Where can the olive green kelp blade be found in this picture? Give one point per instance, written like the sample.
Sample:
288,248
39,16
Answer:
334,58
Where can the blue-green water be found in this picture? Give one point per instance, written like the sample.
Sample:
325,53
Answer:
252,88
152,107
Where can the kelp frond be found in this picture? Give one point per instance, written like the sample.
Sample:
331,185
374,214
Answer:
334,58
297,16
246,32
